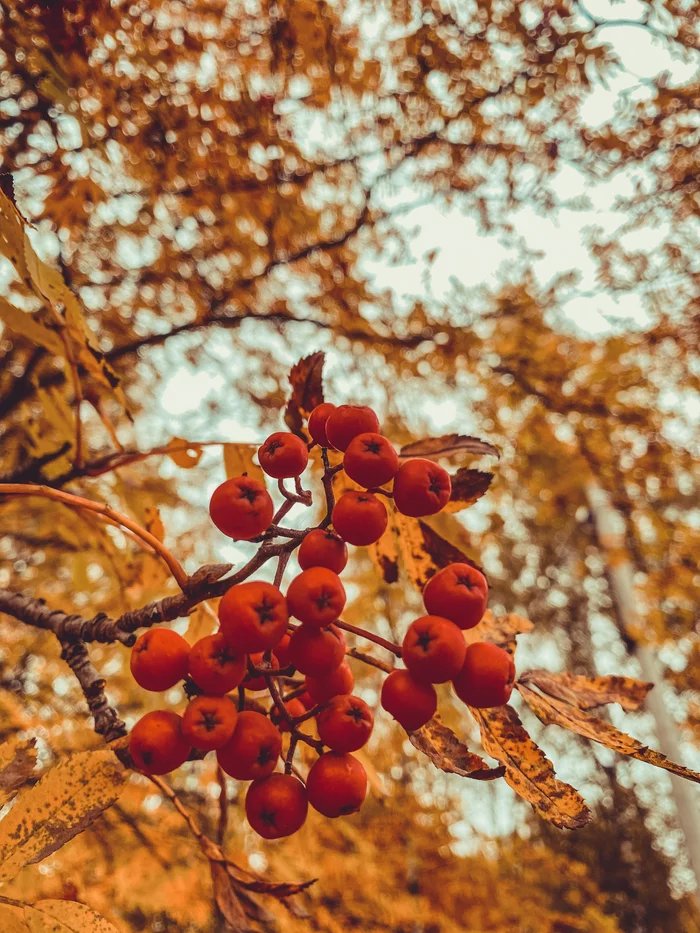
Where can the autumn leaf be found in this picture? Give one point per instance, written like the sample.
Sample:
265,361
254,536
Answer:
238,460
64,916
278,889
184,453
66,800
423,550
448,754
499,630
449,445
226,898
552,711
528,771
385,552
467,487
589,692
12,918
17,763
306,380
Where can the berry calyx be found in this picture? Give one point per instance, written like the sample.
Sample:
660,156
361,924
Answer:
241,508
157,743
283,455
335,683
257,682
421,488
345,723
458,592
487,676
323,548
359,517
433,649
317,423
370,460
347,421
411,702
209,722
336,784
159,659
317,651
316,597
215,666
276,806
253,616
253,750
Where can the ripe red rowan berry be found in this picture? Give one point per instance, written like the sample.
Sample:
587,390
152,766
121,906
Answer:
421,487
157,744
347,421
345,723
370,460
322,548
307,701
317,651
459,593
317,423
316,597
411,702
294,707
433,649
281,650
332,684
215,666
276,806
209,721
253,750
336,784
487,676
359,517
256,682
241,507
283,455
253,616
159,659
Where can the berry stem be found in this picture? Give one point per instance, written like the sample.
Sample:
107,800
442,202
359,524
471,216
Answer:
222,824
282,562
328,473
370,636
309,714
289,760
369,659
377,490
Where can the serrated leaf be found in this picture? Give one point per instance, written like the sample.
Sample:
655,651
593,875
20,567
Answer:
589,692
499,630
66,800
468,486
552,711
528,770
447,753
238,459
26,325
449,445
64,916
17,764
424,551
183,453
306,380
278,889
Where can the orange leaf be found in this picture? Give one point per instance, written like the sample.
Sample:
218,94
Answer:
589,692
306,379
448,754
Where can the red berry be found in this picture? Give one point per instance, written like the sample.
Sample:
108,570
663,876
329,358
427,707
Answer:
208,722
307,701
159,659
345,723
459,593
411,702
276,806
433,649
157,744
336,784
317,651
322,548
347,421
294,707
317,423
335,683
215,666
283,455
370,460
487,676
316,597
359,517
256,682
242,508
281,650
421,487
253,750
253,616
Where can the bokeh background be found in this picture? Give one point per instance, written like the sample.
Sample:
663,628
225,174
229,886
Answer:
486,214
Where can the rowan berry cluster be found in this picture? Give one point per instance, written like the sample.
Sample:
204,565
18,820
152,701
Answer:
258,648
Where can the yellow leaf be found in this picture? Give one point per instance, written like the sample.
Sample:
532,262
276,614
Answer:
63,916
12,919
17,762
183,453
154,523
238,459
26,325
203,621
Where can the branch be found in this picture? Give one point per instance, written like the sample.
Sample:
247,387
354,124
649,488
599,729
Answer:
66,627
107,723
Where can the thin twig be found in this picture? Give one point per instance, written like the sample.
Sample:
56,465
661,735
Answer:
222,825
370,636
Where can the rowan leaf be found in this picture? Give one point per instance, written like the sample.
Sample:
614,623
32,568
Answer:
238,460
449,445
26,325
17,764
449,754
424,551
385,552
66,800
12,919
306,380
468,486
64,916
226,898
499,630
589,692
184,453
528,770
552,711
278,889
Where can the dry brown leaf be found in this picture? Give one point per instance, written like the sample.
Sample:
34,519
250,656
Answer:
64,916
278,889
385,553
552,711
17,763
66,800
226,898
499,630
424,551
448,754
238,460
306,380
467,487
590,692
183,453
154,523
528,770
449,445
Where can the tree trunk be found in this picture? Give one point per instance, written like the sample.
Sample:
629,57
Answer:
611,532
